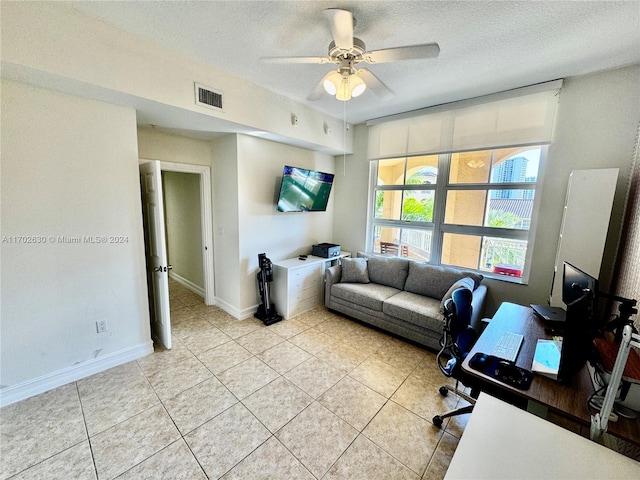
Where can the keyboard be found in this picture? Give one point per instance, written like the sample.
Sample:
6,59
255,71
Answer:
508,346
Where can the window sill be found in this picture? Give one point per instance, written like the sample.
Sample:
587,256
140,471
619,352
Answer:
505,278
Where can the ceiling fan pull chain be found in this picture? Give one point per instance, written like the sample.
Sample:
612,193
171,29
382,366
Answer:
344,139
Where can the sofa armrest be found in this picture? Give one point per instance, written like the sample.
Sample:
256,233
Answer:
479,298
332,275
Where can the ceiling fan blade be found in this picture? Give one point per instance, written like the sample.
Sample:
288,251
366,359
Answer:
375,84
318,60
341,23
427,50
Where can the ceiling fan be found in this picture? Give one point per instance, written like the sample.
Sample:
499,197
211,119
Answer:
347,52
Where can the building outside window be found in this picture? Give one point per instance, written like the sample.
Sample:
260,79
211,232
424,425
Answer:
469,209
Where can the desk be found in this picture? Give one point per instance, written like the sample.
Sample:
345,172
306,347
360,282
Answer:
567,399
504,442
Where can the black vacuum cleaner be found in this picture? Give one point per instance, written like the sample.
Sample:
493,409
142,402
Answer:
267,310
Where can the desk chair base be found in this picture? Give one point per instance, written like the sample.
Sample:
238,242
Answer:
444,391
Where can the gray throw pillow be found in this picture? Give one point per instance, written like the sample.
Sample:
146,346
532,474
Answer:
354,270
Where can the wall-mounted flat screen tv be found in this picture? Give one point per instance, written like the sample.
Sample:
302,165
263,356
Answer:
304,190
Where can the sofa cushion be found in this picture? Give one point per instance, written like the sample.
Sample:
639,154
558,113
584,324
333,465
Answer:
416,309
466,282
354,270
434,281
390,271
370,295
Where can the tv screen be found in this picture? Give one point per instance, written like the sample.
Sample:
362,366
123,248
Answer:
304,190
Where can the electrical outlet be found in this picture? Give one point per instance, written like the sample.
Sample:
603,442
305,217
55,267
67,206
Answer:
101,326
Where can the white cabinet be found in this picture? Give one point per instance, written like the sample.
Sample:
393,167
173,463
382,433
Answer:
585,223
298,285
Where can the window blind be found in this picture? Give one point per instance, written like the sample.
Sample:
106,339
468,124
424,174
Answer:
516,117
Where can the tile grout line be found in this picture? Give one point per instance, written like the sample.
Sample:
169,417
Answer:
86,429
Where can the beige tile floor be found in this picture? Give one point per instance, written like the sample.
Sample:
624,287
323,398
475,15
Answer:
318,396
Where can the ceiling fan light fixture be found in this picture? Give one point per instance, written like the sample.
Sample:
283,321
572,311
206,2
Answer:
332,82
357,86
344,90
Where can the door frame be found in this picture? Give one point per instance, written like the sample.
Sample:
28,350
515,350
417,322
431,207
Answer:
206,220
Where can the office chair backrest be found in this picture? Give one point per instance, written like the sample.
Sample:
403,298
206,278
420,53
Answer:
458,335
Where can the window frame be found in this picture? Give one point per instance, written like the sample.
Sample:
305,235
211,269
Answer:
439,228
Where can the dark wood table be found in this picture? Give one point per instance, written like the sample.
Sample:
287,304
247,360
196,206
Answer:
567,399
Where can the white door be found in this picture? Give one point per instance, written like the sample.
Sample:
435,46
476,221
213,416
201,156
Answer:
156,251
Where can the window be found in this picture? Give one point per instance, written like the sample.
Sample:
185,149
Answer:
467,209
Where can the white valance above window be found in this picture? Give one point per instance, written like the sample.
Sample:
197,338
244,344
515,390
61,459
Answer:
517,117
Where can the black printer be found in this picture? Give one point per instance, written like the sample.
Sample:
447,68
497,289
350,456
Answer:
325,250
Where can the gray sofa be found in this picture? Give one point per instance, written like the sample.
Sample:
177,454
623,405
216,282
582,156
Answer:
401,296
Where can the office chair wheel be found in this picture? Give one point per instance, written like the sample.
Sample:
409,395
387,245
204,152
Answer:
443,391
437,421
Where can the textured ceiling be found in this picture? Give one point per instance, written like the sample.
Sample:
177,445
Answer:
486,47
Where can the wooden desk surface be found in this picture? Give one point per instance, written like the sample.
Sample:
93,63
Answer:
568,399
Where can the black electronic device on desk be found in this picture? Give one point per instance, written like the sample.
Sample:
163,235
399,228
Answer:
326,250
503,370
555,316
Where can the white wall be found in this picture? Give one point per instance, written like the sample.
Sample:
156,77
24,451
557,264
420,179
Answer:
69,168
154,144
226,240
596,124
352,195
246,173
262,229
183,226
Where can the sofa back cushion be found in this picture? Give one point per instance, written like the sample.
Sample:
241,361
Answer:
390,271
434,281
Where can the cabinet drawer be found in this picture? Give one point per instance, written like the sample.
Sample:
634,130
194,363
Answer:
300,305
300,295
303,278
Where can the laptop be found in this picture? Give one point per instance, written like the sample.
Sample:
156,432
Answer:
549,314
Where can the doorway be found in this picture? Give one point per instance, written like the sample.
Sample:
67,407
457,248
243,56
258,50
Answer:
183,230
161,327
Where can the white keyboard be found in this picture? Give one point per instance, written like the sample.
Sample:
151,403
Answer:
508,346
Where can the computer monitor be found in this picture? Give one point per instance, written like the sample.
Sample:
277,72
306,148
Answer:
576,283
579,294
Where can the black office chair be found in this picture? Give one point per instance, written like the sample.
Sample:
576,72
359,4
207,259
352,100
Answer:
457,340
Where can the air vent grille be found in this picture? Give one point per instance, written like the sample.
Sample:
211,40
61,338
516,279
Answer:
208,97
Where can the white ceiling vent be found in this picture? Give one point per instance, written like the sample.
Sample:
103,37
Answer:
208,97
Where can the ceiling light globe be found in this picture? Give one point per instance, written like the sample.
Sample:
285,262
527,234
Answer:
344,90
357,86
329,87
331,82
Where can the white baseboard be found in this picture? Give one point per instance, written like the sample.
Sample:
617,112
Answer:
22,391
188,284
236,312
248,312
